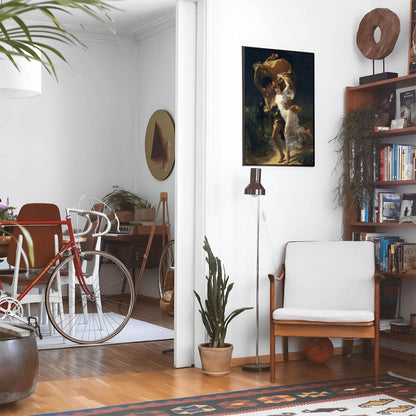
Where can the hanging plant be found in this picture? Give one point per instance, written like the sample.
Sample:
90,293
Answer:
358,156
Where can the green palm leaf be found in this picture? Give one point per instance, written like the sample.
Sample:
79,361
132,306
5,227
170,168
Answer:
18,38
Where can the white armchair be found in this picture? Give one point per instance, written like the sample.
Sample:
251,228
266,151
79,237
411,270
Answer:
330,289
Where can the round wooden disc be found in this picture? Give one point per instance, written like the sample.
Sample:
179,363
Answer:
160,144
389,25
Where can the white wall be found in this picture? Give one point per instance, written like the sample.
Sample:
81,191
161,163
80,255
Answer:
86,133
78,136
299,200
155,91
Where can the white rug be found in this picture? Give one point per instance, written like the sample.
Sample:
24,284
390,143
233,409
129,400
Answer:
134,331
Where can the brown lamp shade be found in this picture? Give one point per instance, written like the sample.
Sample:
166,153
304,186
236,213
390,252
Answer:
255,187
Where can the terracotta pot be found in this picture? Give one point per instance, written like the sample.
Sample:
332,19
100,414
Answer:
215,361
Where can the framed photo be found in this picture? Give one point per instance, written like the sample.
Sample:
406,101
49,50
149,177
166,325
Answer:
406,105
278,107
412,38
408,208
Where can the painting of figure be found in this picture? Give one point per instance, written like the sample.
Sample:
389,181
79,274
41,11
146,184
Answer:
278,107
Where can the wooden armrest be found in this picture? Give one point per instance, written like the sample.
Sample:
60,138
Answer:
280,275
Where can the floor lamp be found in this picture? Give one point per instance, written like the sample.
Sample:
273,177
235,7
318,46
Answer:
256,189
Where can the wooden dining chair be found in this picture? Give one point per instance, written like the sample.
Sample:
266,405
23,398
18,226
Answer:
46,240
329,289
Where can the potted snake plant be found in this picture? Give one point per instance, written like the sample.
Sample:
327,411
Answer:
216,354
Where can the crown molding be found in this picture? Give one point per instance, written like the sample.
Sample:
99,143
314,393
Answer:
154,28
134,35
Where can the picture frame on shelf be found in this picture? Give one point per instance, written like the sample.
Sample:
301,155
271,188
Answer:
389,207
398,123
412,38
406,105
278,107
408,208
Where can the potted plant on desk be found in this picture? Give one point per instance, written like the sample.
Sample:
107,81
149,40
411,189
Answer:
216,355
123,202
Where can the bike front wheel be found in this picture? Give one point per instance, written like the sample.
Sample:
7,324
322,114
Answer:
98,312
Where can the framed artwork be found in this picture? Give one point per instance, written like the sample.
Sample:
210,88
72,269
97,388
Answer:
160,144
412,38
278,107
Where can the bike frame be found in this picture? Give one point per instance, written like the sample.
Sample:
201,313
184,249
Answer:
70,245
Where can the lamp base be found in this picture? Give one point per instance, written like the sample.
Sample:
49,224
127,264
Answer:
254,367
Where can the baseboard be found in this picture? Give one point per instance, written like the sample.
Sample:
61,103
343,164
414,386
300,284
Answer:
293,356
148,298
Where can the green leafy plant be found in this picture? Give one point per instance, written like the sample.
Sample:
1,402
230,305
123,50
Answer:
33,41
213,310
7,212
357,155
122,200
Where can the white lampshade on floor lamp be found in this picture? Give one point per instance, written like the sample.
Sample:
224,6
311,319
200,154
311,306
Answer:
22,83
256,189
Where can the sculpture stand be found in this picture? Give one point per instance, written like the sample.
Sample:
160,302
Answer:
381,76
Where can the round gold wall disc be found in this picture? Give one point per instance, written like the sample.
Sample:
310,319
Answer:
160,144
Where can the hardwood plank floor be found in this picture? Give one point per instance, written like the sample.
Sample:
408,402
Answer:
88,377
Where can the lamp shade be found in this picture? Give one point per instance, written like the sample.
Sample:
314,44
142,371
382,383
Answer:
25,82
255,187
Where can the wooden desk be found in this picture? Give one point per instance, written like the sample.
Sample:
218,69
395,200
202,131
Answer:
130,248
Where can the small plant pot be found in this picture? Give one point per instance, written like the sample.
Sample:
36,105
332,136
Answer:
4,244
215,361
145,214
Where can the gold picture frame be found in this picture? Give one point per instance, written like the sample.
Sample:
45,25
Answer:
160,144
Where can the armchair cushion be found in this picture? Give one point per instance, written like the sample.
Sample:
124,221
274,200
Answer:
323,315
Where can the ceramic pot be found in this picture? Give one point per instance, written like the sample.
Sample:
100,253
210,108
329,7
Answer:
145,214
215,361
19,364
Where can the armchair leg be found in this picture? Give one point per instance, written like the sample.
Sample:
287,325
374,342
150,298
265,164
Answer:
376,359
272,356
285,349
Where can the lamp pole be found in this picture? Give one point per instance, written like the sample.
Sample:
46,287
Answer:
256,189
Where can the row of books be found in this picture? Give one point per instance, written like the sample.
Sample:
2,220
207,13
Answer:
388,206
397,162
392,253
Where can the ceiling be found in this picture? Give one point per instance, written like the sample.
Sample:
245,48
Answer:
138,14
130,17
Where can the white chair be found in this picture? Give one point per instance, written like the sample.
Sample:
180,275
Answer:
330,289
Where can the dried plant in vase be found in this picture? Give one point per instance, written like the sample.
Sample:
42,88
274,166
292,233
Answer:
358,157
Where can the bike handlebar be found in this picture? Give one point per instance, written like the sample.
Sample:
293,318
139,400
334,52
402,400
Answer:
87,214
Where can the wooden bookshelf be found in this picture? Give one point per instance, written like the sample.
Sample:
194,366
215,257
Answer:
361,97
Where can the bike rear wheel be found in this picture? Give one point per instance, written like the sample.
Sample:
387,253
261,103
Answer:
84,319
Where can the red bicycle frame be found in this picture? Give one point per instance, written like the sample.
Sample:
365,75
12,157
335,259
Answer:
71,244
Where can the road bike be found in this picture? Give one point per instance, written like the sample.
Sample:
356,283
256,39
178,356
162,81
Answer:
89,295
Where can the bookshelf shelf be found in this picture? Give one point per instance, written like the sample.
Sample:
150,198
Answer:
408,131
410,275
381,184
361,97
408,338
383,224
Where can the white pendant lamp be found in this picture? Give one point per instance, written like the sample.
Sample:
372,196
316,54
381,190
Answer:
22,83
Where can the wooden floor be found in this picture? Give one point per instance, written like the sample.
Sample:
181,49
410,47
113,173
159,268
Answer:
88,377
